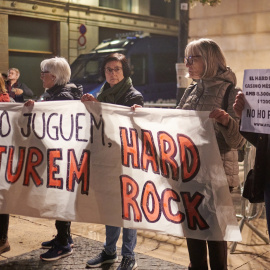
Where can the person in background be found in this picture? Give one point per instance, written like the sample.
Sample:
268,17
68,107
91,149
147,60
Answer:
118,89
16,89
262,158
213,86
4,218
55,75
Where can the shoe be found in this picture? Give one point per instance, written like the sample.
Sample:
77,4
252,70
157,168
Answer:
127,263
56,252
50,244
4,246
102,258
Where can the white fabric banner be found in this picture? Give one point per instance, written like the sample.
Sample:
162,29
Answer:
153,169
256,88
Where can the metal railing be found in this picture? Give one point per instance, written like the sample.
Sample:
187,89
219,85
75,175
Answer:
249,211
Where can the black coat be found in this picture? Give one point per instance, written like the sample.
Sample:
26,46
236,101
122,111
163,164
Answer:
131,97
19,98
260,141
64,92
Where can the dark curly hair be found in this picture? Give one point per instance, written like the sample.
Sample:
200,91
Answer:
116,57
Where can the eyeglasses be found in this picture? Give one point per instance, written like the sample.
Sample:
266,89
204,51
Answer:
110,70
44,72
189,60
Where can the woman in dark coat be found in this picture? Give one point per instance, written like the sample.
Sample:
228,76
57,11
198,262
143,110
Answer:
118,89
55,75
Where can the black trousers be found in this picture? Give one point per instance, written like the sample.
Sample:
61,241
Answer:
63,231
198,254
4,221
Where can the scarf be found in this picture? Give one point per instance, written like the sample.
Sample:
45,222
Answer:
113,94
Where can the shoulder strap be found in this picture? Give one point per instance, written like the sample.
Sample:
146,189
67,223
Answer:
226,97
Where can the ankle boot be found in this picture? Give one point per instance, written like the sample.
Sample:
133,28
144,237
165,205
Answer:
4,246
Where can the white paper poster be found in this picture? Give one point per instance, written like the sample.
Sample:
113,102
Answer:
256,88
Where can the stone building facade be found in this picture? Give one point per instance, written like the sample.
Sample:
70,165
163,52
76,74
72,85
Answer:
240,27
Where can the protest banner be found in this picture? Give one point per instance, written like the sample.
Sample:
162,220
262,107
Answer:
152,169
256,88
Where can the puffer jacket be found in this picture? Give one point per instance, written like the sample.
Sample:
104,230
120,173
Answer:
69,91
208,94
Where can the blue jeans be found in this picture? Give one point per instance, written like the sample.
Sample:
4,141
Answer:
129,241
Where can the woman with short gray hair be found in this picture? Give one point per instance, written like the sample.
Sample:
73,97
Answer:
59,67
55,74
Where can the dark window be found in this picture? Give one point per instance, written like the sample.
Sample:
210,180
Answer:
138,66
163,8
124,5
86,68
164,67
31,41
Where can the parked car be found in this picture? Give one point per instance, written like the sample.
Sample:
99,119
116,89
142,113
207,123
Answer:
152,61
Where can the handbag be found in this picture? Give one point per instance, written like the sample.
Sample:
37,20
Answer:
253,188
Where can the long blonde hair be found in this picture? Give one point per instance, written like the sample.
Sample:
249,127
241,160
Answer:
2,85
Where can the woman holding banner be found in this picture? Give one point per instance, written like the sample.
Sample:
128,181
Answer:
213,89
118,89
4,218
55,75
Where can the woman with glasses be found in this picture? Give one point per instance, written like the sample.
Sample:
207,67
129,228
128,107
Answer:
213,89
118,89
55,75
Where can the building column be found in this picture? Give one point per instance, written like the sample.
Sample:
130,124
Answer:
4,63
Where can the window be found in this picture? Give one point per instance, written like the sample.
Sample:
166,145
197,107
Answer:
30,42
163,8
138,66
124,5
164,67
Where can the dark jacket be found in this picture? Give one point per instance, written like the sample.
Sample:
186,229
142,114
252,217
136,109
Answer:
69,91
19,98
260,141
131,97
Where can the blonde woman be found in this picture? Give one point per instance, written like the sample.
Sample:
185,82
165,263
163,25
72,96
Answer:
4,96
213,89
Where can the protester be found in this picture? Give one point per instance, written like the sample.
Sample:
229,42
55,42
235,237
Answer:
262,159
4,218
213,89
16,89
55,74
118,89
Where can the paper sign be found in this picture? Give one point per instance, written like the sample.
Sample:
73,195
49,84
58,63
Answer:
256,88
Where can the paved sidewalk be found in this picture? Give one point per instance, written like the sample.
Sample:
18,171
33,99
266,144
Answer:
84,248
153,250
